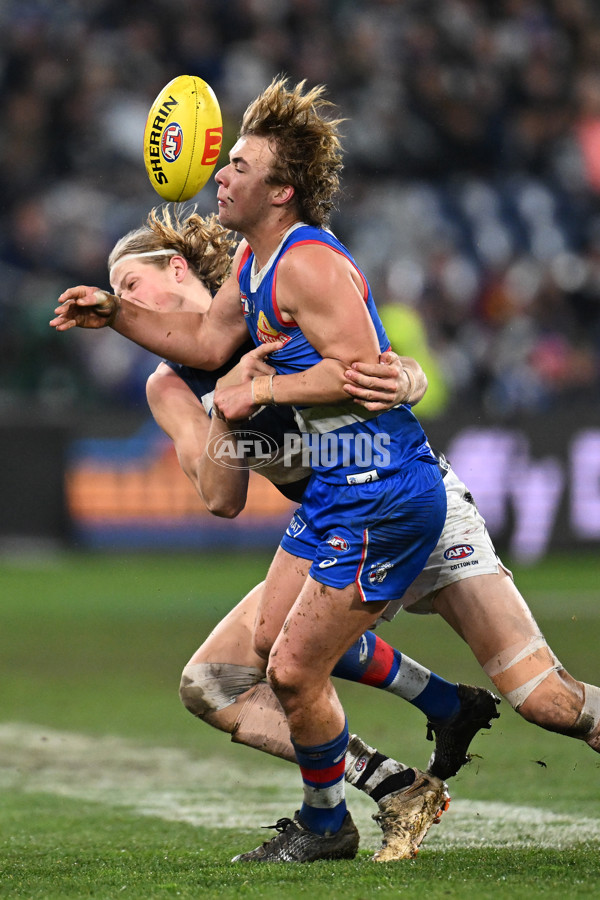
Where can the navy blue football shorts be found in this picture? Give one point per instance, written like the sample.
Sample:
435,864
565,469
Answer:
384,541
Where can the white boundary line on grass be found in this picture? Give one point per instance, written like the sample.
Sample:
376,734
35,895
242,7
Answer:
173,785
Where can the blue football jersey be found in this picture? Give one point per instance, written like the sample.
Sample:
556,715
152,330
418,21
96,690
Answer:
345,443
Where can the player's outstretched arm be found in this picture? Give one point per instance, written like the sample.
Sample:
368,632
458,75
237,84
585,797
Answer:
176,336
390,382
85,307
200,340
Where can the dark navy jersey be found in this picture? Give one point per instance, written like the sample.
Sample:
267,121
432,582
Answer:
201,382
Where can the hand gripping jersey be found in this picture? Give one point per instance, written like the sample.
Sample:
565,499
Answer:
346,444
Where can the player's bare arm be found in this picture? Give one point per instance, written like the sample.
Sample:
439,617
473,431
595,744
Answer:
201,340
180,414
225,490
324,294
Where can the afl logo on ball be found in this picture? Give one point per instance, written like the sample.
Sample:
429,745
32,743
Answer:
171,142
460,551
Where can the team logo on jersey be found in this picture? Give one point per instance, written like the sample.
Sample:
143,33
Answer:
172,142
246,305
459,551
267,334
338,543
379,572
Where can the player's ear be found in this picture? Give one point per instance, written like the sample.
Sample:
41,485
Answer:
180,267
283,194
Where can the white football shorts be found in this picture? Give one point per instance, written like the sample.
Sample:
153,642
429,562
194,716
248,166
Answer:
464,549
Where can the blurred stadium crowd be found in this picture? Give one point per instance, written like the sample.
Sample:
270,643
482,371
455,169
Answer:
472,179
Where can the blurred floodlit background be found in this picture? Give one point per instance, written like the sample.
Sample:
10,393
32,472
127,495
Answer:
472,202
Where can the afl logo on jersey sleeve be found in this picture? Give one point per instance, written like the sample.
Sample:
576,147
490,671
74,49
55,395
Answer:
459,551
338,543
171,142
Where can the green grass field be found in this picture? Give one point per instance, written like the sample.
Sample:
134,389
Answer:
110,788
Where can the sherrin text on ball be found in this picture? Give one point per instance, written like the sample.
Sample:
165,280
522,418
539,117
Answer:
182,138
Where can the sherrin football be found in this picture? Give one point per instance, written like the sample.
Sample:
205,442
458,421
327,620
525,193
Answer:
182,138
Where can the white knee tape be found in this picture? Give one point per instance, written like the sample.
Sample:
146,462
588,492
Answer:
208,687
519,695
262,724
518,653
507,658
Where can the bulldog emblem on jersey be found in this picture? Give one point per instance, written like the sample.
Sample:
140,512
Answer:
379,572
266,334
247,305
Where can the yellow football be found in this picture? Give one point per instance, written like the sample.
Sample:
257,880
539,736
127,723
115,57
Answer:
182,138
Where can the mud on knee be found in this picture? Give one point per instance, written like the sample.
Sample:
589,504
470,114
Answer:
206,688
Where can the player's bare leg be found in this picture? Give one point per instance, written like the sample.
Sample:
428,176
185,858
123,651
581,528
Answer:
223,684
321,624
223,681
489,613
305,638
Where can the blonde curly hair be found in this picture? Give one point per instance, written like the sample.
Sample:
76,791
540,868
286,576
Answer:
202,241
308,151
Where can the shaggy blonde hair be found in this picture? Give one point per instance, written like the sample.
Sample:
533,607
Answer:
203,242
308,152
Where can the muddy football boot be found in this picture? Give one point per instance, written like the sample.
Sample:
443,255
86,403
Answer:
406,816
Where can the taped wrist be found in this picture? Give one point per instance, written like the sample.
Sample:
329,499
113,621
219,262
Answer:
262,390
411,384
107,306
